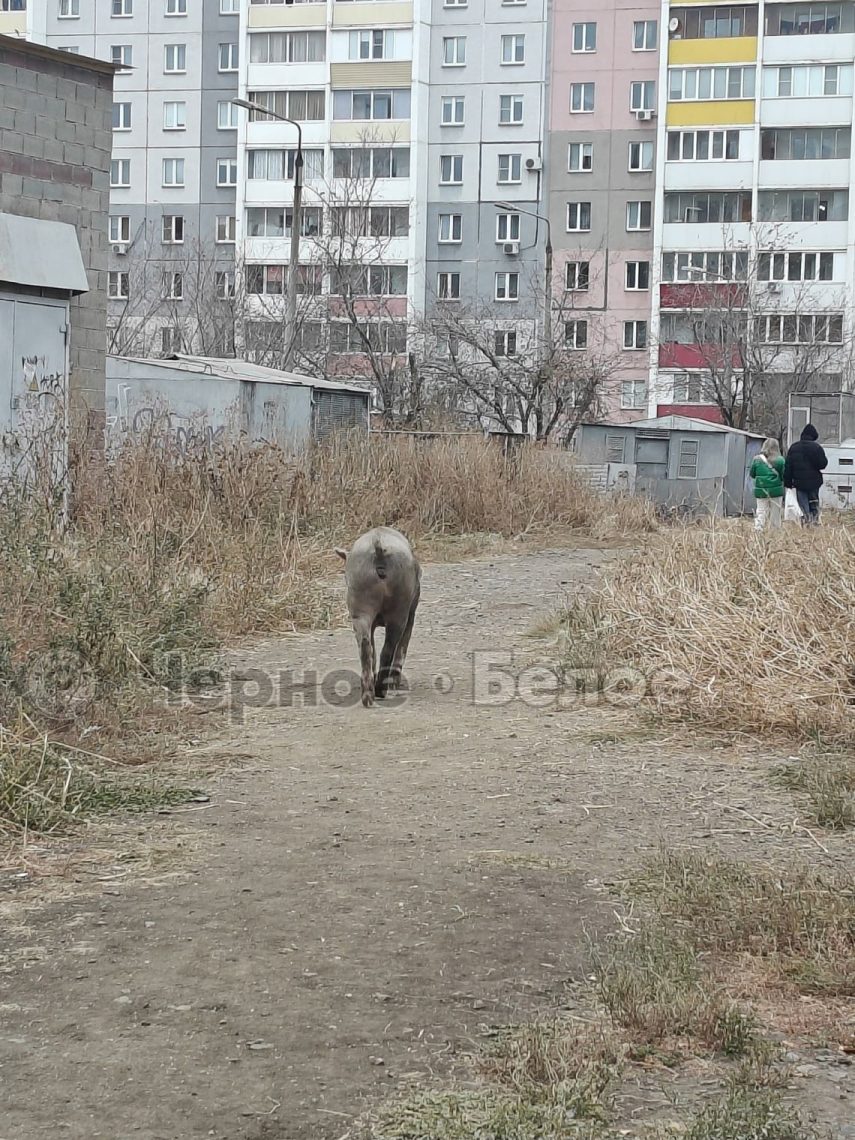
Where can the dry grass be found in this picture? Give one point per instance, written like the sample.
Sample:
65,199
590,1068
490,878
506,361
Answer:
827,777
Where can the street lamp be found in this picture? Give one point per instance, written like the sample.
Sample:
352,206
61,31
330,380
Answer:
296,224
547,309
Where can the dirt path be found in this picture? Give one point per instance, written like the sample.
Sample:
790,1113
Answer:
367,895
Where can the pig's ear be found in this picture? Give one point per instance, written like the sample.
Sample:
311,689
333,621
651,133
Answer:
341,552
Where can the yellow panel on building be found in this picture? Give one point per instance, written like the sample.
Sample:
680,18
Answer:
358,15
382,74
727,49
290,16
370,134
13,23
711,113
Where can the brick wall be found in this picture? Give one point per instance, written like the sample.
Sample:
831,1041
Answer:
55,143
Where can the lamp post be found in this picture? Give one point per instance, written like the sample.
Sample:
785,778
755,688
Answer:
296,225
547,308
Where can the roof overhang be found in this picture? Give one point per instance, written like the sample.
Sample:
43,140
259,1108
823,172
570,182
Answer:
41,255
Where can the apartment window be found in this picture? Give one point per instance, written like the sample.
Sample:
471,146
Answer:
505,342
795,267
71,49
450,169
450,228
362,221
638,216
372,105
118,285
803,206
370,281
635,334
175,58
578,217
371,162
227,172
645,34
227,116
581,98
510,168
448,286
228,57
706,265
172,229
176,7
172,286
456,4
121,116
119,228
688,388
807,81
507,286
691,84
69,9
642,96
278,165
796,328
226,229
287,47
174,116
513,49
122,55
123,7
640,156
170,340
510,109
637,275
633,394
584,37
716,23
809,19
301,106
577,276
224,281
347,338
120,172
702,146
507,227
580,157
230,7
805,144
712,206
576,334
687,460
376,43
453,51
277,221
452,110
173,172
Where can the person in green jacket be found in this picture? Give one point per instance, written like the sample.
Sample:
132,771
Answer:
767,471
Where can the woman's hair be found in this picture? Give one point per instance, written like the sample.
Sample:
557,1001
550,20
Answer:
771,449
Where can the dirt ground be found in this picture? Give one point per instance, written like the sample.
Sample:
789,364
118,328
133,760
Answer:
368,890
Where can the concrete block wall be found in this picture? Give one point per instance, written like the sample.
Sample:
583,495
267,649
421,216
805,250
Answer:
55,144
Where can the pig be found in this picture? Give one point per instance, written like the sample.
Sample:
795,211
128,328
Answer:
383,588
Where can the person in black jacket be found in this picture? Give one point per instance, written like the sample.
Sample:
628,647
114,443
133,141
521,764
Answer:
806,461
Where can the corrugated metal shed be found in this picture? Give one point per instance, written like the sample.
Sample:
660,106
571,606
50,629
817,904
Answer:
41,255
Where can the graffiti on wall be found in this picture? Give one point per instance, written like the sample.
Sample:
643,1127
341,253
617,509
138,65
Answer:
189,434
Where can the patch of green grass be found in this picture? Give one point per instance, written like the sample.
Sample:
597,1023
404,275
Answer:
741,1114
827,778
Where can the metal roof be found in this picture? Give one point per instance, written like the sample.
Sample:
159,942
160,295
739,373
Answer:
67,59
41,254
228,368
677,423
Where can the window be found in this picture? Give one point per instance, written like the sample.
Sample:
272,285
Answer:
287,47
121,116
123,7
688,388
71,49
174,116
698,83
642,96
450,228
176,7
712,206
452,110
450,169
122,55
635,334
581,98
505,342
224,280
119,228
510,109
369,281
510,168
805,144
172,229
226,229
584,37
808,80
795,267
371,162
69,9
638,216
230,7
702,146
645,35
809,19
794,328
227,116
270,280
578,216
278,165
513,49
175,58
507,227
697,23
637,275
507,286
227,57
348,338
227,172
576,334
705,265
172,287
118,283
277,221
364,221
377,43
580,157
301,106
687,460
803,206
640,156
456,3
453,51
633,394
170,340
120,172
173,172
373,105
577,276
448,286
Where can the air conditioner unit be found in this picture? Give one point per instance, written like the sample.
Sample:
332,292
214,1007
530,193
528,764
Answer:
644,116
120,250
534,163
774,286
511,248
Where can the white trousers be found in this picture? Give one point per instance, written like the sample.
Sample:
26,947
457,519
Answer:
767,512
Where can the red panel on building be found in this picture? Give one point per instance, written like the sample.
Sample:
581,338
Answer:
708,412
727,297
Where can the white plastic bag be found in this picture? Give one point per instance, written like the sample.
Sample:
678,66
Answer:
792,510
